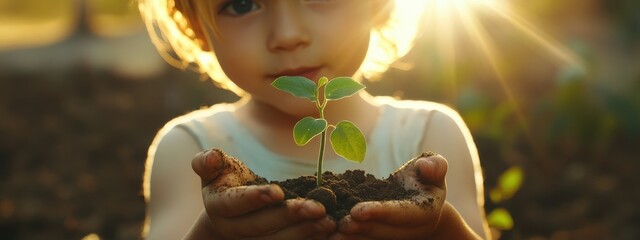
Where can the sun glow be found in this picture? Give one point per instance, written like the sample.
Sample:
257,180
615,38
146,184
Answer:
449,22
448,19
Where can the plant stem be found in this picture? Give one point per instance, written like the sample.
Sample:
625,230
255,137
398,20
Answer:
320,157
322,143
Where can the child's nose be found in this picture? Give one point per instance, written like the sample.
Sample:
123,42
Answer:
288,30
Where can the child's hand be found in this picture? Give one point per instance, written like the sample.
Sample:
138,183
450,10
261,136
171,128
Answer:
258,212
417,218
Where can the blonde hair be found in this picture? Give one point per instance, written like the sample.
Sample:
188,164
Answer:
176,33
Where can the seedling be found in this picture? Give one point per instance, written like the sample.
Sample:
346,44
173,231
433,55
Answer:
346,138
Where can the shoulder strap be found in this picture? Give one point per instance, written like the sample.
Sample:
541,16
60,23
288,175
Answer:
207,126
193,128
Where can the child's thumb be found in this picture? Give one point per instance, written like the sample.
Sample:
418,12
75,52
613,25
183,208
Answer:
432,170
208,165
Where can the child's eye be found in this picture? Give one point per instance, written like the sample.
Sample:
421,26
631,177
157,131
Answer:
239,7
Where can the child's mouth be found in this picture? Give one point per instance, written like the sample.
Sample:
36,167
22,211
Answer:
307,72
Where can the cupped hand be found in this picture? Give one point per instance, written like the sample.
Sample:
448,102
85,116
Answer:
415,218
237,211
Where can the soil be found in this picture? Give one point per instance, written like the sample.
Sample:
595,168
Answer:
340,192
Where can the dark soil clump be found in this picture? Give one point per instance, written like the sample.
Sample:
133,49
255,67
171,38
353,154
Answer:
325,196
349,188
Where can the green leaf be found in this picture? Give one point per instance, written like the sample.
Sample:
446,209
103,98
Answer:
297,86
511,180
307,128
348,142
341,87
322,81
509,183
500,218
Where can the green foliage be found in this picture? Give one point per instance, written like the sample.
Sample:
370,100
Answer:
346,139
342,87
508,184
300,87
500,219
308,128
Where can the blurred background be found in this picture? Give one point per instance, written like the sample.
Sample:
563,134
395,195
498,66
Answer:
550,90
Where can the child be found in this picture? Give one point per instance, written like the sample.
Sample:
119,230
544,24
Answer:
244,45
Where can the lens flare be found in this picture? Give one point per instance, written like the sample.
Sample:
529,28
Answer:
446,22
442,17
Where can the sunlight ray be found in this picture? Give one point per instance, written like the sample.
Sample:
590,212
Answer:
482,40
445,42
531,31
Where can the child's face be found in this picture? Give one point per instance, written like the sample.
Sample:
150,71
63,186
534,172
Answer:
259,40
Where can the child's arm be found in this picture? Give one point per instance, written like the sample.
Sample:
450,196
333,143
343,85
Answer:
448,136
258,211
170,186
